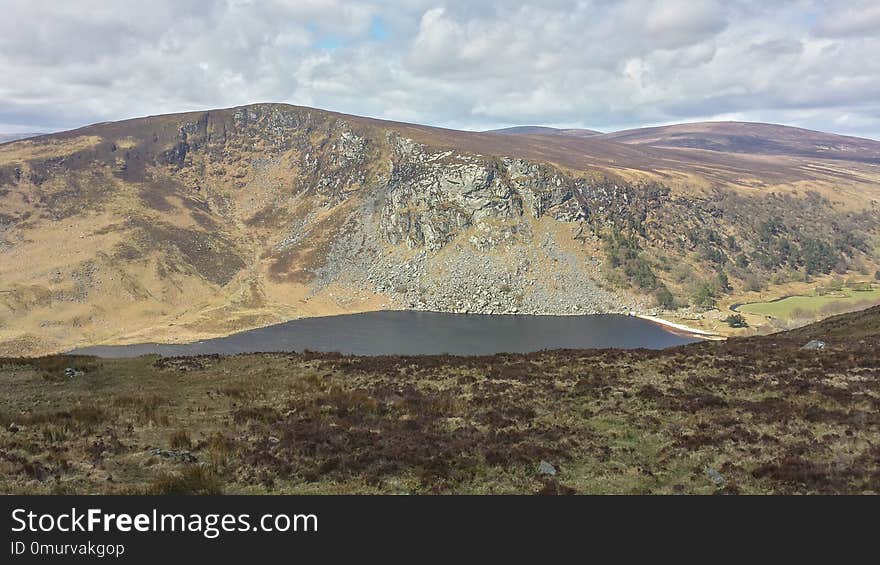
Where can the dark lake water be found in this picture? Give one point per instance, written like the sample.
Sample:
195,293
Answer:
418,333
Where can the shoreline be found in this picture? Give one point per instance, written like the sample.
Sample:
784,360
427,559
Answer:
196,337
695,332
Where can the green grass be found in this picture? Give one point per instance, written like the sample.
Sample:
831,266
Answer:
809,306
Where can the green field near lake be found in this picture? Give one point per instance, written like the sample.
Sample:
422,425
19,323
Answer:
787,307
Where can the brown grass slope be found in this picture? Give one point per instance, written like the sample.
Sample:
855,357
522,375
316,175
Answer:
114,227
842,328
755,415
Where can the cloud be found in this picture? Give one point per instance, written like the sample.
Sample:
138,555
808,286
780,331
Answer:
680,23
468,64
846,20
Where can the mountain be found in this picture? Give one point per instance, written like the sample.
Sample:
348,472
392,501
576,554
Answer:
687,169
185,226
754,138
542,130
7,137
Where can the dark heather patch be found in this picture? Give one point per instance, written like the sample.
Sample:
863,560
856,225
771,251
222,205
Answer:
77,196
271,217
155,192
203,218
127,252
211,255
287,266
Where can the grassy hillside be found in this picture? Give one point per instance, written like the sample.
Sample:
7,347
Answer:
754,415
792,306
188,226
845,328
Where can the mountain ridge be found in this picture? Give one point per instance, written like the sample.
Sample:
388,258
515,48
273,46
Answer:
544,130
625,151
741,137
9,137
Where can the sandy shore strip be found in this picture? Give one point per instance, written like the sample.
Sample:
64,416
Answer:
703,334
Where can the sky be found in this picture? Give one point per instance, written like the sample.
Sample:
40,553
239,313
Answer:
475,64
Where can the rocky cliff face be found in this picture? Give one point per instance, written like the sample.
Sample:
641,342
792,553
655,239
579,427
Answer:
200,224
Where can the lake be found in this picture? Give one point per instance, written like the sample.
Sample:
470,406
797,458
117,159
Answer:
420,333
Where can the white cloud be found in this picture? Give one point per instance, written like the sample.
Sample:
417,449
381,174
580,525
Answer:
851,19
680,23
473,64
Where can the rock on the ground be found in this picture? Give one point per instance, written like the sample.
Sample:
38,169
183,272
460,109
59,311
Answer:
716,477
545,468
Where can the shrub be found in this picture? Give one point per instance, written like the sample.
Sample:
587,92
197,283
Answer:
835,285
819,257
858,285
754,283
723,282
146,407
180,440
665,299
877,275
682,272
640,272
704,295
195,480
712,254
624,252
736,321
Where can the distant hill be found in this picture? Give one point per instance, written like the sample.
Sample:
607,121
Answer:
542,130
6,137
753,138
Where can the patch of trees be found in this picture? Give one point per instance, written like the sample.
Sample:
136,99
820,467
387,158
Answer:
738,240
736,321
814,255
625,253
705,295
665,298
818,256
723,282
804,233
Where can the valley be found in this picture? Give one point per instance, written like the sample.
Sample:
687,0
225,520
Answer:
193,226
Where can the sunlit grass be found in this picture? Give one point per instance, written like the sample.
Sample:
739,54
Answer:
809,306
